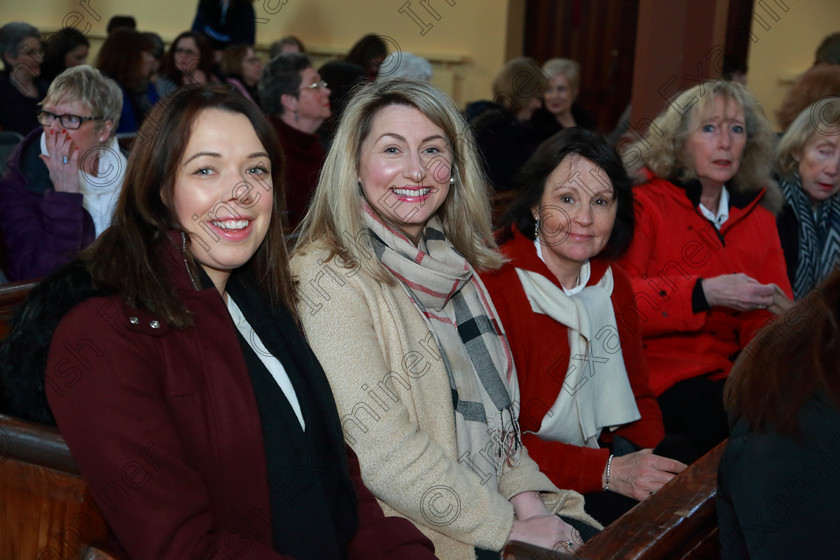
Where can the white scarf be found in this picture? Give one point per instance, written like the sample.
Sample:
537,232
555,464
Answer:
101,191
596,393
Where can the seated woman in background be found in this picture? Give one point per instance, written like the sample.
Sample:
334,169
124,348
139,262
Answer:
559,110
502,129
63,49
189,60
297,101
126,56
64,178
197,367
392,305
808,159
241,68
583,378
21,87
778,481
706,263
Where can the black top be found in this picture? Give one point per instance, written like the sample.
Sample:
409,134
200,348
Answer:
545,124
505,142
17,111
779,495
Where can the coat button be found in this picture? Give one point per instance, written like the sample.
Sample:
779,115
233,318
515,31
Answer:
154,324
134,320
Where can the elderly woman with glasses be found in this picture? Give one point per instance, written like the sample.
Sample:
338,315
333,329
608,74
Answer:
64,178
20,85
297,101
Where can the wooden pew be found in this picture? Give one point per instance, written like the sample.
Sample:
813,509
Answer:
12,295
677,523
47,512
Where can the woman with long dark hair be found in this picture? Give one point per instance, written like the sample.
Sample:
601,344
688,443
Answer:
193,406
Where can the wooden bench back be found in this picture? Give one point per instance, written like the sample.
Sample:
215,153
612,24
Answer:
47,512
12,295
677,523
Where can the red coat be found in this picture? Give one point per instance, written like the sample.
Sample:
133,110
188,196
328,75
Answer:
540,347
165,428
675,246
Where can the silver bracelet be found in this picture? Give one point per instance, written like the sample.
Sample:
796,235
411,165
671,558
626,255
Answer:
609,464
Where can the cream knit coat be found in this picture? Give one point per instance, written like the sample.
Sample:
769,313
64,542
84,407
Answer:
393,396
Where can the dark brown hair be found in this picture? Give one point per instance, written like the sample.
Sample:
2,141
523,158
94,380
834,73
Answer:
121,57
205,58
534,174
788,362
128,258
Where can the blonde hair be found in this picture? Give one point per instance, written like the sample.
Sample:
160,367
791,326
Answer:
663,147
88,86
334,220
517,83
822,117
565,66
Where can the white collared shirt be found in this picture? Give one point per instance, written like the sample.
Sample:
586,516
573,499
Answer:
722,212
272,364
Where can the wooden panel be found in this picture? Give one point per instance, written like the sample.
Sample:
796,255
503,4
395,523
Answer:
11,296
46,513
678,522
598,34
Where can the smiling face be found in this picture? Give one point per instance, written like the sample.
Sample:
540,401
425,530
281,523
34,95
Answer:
576,213
404,167
716,142
223,192
819,166
559,95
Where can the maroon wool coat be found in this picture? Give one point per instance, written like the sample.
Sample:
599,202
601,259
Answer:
164,426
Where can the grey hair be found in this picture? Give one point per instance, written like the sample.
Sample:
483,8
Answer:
565,66
11,35
88,85
400,64
822,117
281,75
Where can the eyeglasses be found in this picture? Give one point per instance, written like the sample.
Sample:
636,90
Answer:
70,122
314,86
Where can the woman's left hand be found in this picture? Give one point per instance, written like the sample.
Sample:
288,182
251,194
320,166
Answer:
63,161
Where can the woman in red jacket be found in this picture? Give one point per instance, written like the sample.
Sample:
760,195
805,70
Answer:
199,417
589,417
706,263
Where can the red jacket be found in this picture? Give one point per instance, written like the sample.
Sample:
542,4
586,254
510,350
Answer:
540,347
164,426
675,246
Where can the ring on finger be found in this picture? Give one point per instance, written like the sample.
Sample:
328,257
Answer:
569,544
64,160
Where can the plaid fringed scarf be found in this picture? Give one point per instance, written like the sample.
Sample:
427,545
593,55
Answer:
461,317
819,236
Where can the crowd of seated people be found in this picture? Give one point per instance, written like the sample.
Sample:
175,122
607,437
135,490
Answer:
347,297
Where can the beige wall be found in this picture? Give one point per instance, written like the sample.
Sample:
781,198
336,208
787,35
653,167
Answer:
784,43
468,44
